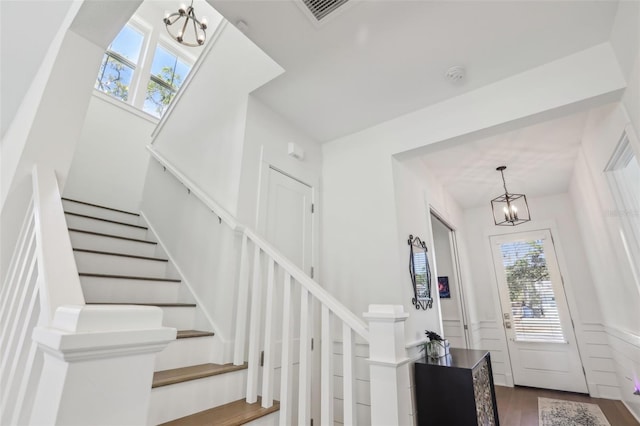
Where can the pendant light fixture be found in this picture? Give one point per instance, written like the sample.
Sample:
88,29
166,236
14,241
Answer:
185,28
509,209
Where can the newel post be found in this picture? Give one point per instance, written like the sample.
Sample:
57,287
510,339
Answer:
389,366
98,364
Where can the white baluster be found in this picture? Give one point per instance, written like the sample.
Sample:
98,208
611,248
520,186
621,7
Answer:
267,368
18,321
254,329
26,235
326,370
19,286
285,373
348,378
304,371
19,340
241,308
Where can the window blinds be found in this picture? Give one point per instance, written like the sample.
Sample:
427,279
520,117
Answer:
533,304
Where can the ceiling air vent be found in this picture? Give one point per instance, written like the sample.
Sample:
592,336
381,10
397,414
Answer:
321,8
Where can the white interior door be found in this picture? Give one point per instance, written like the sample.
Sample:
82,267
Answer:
540,336
288,223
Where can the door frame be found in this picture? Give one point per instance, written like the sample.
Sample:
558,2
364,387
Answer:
299,173
455,257
295,169
572,307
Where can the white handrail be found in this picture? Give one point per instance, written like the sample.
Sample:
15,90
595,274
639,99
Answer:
296,273
216,208
312,286
261,327
42,277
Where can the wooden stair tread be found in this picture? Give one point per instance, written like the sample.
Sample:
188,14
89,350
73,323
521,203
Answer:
116,222
128,277
231,414
192,372
101,234
111,253
101,207
187,334
160,305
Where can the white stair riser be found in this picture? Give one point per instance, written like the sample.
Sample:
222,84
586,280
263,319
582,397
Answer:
70,206
108,264
179,400
183,352
111,290
95,225
118,245
272,419
182,318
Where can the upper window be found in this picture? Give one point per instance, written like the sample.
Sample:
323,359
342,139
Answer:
168,72
119,63
146,77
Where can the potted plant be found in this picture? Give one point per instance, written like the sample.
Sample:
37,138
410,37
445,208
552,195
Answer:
435,346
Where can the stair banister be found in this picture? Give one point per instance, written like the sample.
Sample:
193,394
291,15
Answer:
59,358
390,388
56,266
296,273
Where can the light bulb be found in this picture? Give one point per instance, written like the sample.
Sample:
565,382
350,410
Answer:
182,9
204,23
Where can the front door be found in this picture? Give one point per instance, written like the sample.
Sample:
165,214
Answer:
540,336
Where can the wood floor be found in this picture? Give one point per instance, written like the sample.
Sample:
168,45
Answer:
518,406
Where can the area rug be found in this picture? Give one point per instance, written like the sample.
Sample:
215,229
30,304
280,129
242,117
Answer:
557,412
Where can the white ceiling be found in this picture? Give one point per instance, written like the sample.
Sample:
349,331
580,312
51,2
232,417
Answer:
376,60
539,160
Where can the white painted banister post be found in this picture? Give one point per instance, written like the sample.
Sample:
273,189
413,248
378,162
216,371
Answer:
98,364
389,366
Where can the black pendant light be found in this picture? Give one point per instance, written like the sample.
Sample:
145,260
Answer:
509,209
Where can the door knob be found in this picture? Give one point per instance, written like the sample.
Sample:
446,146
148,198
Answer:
507,324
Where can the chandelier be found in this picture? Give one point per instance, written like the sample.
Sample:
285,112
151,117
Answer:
509,209
185,28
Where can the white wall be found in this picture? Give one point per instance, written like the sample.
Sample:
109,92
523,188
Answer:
110,162
204,133
266,140
616,290
364,233
22,53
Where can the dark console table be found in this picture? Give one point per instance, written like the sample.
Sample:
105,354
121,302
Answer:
456,389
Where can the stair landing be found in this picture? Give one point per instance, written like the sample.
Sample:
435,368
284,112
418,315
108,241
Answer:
232,414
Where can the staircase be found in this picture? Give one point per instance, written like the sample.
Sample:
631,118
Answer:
120,262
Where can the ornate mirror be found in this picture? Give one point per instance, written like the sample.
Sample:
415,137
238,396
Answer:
420,273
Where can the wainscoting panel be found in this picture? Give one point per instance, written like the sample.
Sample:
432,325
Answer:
453,332
625,347
598,361
492,339
363,388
